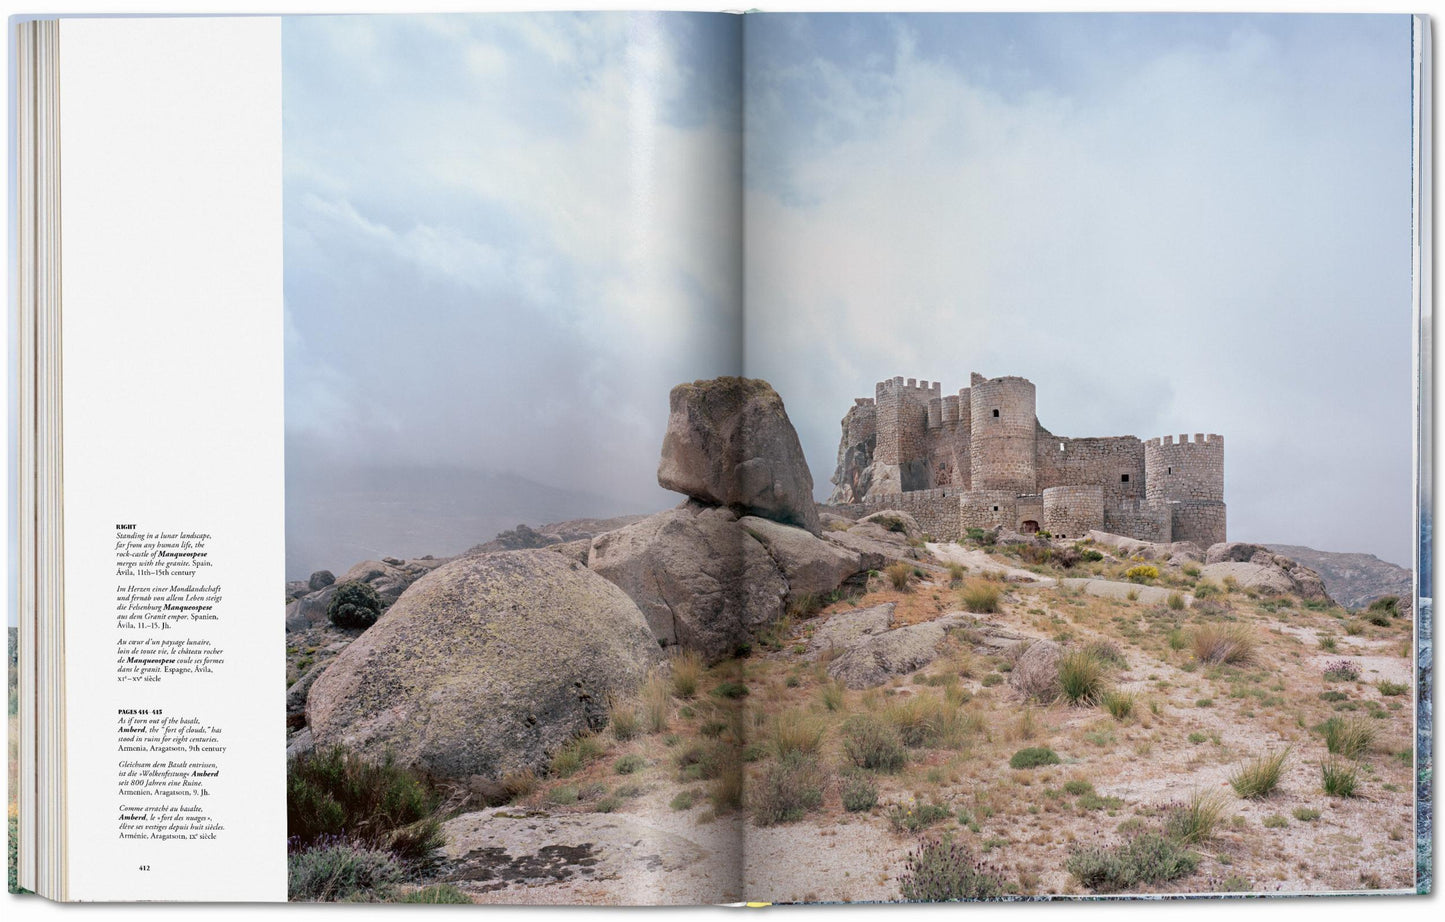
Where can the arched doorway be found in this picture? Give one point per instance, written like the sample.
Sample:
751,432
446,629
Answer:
1030,527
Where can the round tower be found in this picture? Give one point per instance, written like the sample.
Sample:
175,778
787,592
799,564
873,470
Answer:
1003,435
1184,471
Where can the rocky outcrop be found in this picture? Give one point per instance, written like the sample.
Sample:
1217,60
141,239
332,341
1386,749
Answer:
524,537
389,576
809,565
705,581
485,666
853,477
1255,566
1177,552
844,629
876,659
896,521
1353,580
729,443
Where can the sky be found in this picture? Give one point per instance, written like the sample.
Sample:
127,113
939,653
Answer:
508,236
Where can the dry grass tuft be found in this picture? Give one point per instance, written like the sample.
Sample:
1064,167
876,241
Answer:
1224,643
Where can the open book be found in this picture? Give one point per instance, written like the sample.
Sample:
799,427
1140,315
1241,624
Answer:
431,485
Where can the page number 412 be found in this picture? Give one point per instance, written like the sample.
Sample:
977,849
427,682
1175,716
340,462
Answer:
145,867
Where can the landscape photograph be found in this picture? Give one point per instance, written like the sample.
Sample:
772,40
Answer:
796,458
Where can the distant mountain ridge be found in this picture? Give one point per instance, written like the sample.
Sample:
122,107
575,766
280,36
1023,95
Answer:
1353,580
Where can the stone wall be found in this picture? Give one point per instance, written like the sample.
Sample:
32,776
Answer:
1073,511
987,508
1202,523
1185,471
1003,435
1140,519
1105,462
935,510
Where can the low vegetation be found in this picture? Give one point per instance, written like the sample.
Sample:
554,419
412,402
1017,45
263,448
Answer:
1259,777
945,869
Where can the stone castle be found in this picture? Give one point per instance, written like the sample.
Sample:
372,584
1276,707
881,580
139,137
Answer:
980,458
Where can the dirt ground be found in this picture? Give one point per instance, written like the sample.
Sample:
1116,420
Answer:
646,827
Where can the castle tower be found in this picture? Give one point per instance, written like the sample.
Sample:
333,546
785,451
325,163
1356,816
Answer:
1002,435
902,423
1188,475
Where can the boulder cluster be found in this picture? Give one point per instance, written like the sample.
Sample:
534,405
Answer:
487,663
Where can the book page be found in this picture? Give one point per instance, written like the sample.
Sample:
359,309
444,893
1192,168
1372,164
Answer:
1106,323
173,458
508,238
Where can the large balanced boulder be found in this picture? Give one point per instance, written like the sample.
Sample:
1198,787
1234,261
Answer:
699,577
729,443
485,666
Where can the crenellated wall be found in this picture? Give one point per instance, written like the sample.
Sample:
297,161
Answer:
1185,471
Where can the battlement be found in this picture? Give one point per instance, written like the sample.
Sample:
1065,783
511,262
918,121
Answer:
864,402
912,387
1212,439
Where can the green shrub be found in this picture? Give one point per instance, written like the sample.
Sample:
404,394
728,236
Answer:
731,690
1034,756
1348,736
790,788
944,870
656,703
1391,689
564,795
1176,601
1082,677
980,596
1143,573
1338,778
1194,820
1382,610
1306,814
916,817
1146,858
859,792
832,695
1259,777
354,605
1275,821
703,761
1119,704
341,870
571,758
629,764
436,893
870,743
332,794
684,800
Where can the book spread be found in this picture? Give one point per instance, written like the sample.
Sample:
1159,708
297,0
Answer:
692,458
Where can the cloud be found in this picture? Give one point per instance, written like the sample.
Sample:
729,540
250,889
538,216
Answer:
503,246
1201,231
